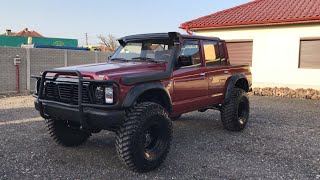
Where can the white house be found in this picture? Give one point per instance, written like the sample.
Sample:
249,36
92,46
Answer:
280,39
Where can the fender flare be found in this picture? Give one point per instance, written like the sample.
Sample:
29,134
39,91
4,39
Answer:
231,84
138,90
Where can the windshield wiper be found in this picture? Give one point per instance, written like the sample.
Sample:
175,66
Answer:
119,59
145,59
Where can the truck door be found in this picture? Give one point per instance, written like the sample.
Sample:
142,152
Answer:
217,71
189,82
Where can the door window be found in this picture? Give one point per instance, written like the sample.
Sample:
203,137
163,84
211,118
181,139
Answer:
211,53
191,48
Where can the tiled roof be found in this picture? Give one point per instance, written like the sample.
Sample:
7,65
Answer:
26,32
260,12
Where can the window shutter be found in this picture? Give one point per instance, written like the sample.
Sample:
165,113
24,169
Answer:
240,53
309,54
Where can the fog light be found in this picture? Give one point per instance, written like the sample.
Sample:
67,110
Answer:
108,94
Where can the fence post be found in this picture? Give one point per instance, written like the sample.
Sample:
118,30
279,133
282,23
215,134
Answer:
65,58
96,56
28,69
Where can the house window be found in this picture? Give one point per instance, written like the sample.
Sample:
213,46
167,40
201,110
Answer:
309,54
240,52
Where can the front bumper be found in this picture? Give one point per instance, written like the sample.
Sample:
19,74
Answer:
89,115
94,118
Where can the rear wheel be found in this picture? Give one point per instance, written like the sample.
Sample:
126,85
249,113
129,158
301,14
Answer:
143,140
235,112
66,133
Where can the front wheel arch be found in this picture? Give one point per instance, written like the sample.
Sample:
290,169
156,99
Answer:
143,92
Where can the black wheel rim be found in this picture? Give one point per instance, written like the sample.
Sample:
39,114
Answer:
243,111
154,143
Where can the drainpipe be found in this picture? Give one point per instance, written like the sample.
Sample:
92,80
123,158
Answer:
187,30
16,62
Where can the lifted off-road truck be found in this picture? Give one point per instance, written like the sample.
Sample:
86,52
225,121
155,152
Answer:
150,80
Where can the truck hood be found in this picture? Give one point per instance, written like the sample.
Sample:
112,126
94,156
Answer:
115,70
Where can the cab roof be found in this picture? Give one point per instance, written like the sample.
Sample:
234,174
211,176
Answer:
184,36
169,35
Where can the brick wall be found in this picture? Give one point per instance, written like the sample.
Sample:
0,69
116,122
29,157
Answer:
80,57
40,60
8,71
103,57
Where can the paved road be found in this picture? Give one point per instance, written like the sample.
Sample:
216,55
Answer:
282,141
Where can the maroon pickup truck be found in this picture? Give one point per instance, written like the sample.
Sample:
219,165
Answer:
150,80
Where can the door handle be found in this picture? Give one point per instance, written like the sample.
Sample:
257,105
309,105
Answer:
226,72
202,74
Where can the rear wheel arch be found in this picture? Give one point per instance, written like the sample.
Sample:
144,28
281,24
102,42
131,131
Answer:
242,83
236,81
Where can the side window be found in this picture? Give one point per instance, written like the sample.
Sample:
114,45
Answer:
222,54
191,48
211,53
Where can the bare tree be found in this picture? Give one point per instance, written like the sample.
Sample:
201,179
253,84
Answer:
110,41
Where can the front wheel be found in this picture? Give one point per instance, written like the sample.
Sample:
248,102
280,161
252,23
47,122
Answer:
175,118
235,112
144,138
66,133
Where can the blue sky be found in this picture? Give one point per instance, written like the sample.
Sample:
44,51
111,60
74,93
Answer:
72,19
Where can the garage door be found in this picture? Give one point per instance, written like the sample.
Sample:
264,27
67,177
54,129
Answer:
310,54
240,52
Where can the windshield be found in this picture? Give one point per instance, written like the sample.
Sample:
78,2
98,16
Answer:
146,50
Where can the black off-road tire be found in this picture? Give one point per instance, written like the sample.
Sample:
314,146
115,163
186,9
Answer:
144,138
235,112
175,118
66,133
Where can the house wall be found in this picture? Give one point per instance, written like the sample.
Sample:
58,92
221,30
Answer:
275,54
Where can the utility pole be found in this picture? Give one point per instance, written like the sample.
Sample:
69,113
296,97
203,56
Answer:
86,34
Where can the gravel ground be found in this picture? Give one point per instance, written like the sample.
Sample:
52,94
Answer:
281,141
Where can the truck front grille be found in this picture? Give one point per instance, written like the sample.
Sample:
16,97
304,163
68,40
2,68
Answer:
66,92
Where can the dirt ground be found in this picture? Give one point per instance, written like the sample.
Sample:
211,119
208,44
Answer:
281,141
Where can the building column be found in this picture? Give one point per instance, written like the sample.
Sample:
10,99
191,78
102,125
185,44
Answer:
65,58
96,55
28,69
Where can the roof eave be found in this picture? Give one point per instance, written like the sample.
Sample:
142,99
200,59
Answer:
253,24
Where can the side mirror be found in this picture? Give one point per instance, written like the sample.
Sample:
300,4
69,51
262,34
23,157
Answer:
185,61
109,57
